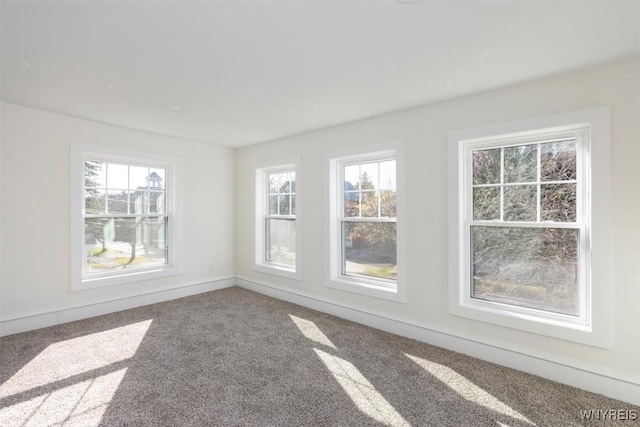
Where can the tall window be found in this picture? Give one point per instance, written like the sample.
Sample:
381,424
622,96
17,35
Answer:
528,226
364,222
280,220
368,220
276,224
525,226
126,218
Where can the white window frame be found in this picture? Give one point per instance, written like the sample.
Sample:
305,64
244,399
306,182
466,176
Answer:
80,153
393,290
261,263
591,129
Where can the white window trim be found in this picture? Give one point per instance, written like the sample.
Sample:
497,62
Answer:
260,264
361,285
79,153
593,326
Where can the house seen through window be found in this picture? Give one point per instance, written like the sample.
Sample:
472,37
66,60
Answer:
125,218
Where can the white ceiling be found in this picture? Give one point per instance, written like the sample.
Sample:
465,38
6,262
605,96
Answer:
245,72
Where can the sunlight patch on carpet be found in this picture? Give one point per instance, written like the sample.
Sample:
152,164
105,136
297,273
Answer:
311,331
368,400
76,356
466,389
81,404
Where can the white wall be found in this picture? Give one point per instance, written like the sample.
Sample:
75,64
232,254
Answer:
35,214
424,132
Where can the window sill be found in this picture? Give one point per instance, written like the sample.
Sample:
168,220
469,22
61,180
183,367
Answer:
278,270
134,276
368,288
553,325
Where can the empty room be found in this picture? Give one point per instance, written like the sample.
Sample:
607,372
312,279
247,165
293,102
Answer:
318,212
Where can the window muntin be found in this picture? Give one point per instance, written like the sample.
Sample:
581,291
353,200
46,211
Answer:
280,218
367,220
126,218
525,225
526,183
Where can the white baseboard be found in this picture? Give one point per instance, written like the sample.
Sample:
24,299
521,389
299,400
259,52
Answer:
31,321
596,379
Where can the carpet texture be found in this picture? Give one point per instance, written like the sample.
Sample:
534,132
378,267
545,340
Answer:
236,358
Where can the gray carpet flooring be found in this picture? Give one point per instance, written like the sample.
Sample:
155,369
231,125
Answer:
237,358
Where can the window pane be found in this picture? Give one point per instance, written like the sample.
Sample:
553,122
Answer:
527,267
521,203
94,201
138,178
144,201
351,177
279,183
273,184
521,163
157,178
156,202
370,204
486,166
114,244
388,203
369,249
284,205
388,175
139,202
117,176
285,187
558,202
281,241
293,204
292,184
558,161
352,204
94,174
369,176
117,201
273,205
486,203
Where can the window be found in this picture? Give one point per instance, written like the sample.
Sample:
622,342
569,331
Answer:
524,226
364,222
276,221
124,217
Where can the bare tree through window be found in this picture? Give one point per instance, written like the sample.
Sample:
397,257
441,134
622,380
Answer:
524,236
